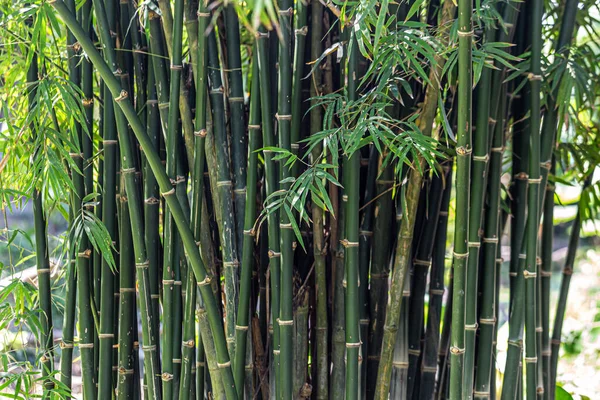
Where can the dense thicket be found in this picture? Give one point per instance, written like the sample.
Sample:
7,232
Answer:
259,195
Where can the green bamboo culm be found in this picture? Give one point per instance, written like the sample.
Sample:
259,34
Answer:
224,192
271,182
284,120
171,258
316,118
235,97
351,181
463,176
530,271
127,308
41,249
244,310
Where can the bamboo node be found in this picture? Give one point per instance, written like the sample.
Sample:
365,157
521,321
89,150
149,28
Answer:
465,33
437,292
43,271
481,394
127,290
295,146
166,377
106,335
534,180
285,322
167,282
491,120
274,254
224,365
462,151
353,345
176,67
429,369
346,243
218,90
154,296
522,176
285,226
239,191
366,233
249,232
87,102
456,351
534,77
422,263
201,133
122,96
123,371
302,31
204,282
474,244
567,271
286,13
86,345
414,352
168,193
109,142
364,321
512,274
530,359
400,364
115,346
203,14
149,348
529,275
177,361
76,155
85,254
481,158
163,105
487,321
236,99
497,149
522,256
144,264
233,263
151,201
471,327
65,345
127,171
283,117
545,274
241,328
177,283
538,261
253,127
223,183
539,329
460,255
517,343
490,240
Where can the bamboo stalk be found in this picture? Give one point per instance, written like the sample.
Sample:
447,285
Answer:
235,97
546,247
561,305
284,119
338,351
463,170
316,117
244,310
225,194
41,249
380,264
127,309
436,293
300,33
478,184
351,165
530,271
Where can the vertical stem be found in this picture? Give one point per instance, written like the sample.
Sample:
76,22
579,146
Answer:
244,309
463,175
316,118
41,249
351,179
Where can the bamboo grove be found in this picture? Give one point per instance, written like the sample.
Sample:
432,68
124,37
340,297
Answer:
300,199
